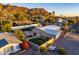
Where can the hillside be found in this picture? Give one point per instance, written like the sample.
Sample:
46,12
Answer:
16,15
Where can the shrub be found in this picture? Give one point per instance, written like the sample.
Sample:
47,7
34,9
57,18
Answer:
24,45
61,51
43,49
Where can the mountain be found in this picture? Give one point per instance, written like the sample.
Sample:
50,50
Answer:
22,14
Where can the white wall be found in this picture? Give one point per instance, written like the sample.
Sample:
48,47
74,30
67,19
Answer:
1,52
58,34
16,47
5,51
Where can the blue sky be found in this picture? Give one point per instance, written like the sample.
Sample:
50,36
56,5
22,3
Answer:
68,9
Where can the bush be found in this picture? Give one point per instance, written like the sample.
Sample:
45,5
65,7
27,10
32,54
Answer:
24,45
43,49
61,51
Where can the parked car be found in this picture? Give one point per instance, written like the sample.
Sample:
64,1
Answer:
52,47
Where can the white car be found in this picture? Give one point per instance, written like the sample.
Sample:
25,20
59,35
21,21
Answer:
52,47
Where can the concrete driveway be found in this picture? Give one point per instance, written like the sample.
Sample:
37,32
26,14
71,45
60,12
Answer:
70,43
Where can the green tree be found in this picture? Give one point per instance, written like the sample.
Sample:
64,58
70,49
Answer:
53,12
19,34
0,21
9,7
1,6
72,21
6,27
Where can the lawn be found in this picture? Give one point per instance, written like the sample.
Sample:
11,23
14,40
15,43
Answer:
39,41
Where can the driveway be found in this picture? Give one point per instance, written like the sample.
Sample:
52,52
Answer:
70,43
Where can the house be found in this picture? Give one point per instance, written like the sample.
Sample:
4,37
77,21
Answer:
75,27
25,26
51,30
60,21
42,21
8,43
45,36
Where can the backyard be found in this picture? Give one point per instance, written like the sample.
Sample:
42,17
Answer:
39,41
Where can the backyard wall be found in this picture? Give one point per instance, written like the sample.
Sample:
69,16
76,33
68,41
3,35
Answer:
48,43
34,46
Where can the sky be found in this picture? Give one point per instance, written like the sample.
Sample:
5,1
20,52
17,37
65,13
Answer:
66,9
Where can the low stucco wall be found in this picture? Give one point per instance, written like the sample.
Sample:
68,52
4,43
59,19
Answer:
36,47
48,43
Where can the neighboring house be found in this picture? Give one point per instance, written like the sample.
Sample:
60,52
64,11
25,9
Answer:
42,21
8,43
75,27
24,27
60,21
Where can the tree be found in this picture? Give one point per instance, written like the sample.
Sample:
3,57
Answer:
5,12
43,49
16,16
46,23
6,27
1,6
52,20
72,21
1,21
9,7
53,12
19,34
65,27
62,51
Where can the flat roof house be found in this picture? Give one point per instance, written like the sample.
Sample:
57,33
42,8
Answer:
8,43
60,21
52,30
46,35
